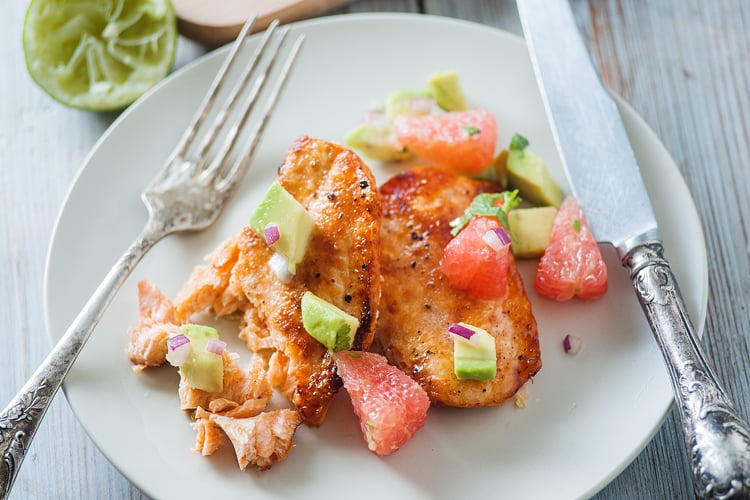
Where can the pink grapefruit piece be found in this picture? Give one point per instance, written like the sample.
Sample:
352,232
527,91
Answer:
463,141
391,407
572,264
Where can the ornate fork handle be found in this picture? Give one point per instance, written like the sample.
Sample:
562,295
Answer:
21,418
717,438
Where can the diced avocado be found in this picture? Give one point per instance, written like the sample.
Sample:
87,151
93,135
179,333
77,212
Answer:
476,360
528,173
500,164
530,229
377,141
328,324
295,224
446,91
400,102
202,370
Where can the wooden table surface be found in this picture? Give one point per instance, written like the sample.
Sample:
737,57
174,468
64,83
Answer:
682,64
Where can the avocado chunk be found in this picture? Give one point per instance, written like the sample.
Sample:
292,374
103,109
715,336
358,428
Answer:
294,223
446,91
408,102
377,141
530,229
475,360
527,172
202,370
328,324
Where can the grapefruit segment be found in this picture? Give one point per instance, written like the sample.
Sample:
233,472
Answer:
463,141
391,407
472,265
572,264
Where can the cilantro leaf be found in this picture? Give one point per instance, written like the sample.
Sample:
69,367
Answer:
471,130
518,143
486,204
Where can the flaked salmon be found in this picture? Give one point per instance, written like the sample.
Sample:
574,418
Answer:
208,436
261,440
213,286
245,392
418,305
147,344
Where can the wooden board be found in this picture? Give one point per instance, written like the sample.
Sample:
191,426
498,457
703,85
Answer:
216,22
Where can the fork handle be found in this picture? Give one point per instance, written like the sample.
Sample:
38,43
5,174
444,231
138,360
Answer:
20,419
717,437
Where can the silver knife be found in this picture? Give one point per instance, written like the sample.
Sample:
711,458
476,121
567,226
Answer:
606,181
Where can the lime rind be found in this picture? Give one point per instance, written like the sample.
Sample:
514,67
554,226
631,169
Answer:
101,55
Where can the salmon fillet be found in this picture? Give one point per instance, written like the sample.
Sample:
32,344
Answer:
341,265
418,305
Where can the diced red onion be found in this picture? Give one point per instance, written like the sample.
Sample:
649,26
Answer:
572,344
272,234
374,113
497,238
216,346
463,332
178,349
280,267
421,105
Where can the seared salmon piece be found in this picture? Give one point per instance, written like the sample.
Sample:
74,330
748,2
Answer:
208,435
341,265
213,285
261,440
147,345
246,392
418,305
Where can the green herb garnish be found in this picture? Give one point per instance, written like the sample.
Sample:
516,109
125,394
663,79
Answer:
487,204
518,143
577,225
471,130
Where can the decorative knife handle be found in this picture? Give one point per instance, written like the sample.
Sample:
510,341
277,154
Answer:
717,438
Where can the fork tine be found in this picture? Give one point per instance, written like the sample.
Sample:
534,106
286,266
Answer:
233,175
210,136
244,113
187,137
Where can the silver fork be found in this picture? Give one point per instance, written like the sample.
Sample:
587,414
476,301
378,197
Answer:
188,194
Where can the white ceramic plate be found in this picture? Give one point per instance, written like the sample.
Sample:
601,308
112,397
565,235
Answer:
586,417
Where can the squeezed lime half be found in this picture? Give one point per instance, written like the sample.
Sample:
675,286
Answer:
99,55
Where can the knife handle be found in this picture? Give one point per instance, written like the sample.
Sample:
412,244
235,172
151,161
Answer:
717,437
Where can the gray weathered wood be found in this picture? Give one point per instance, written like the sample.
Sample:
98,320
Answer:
682,64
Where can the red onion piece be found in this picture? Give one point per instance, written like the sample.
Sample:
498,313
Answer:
216,346
572,344
272,234
176,341
280,267
374,113
497,238
178,349
421,105
462,332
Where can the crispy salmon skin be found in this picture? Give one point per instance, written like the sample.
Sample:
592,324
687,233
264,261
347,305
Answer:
418,305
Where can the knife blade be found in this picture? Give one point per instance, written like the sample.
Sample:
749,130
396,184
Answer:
605,179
